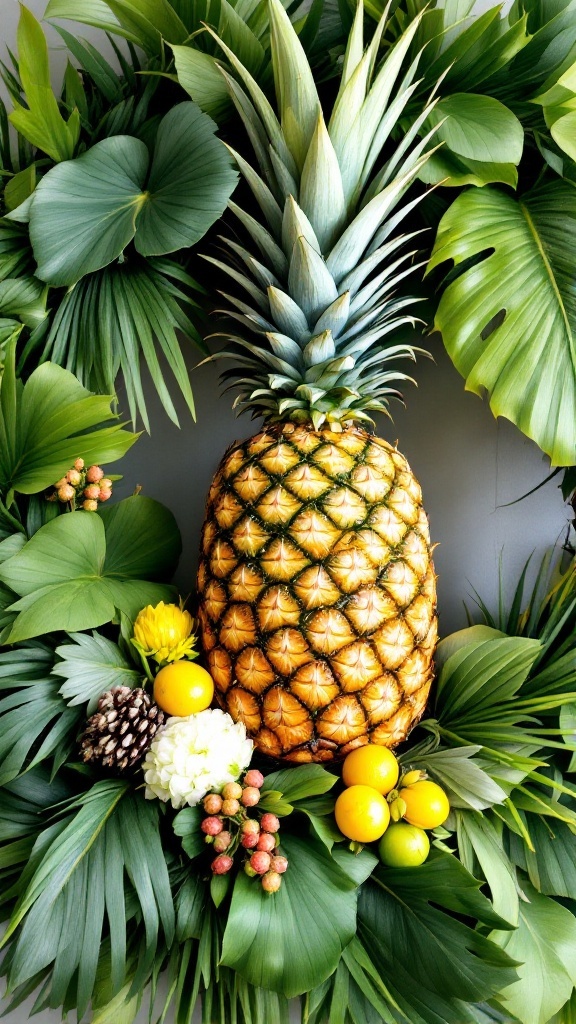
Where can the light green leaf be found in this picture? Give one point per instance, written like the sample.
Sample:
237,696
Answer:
478,127
90,665
199,75
545,945
90,12
78,569
452,171
292,942
49,422
482,674
111,195
295,87
41,124
20,187
525,281
477,830
452,643
307,780
429,954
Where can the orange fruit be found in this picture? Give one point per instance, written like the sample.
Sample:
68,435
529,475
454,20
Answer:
183,688
371,765
362,814
427,805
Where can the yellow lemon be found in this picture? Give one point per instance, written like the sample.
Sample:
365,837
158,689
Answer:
373,766
362,814
427,805
183,689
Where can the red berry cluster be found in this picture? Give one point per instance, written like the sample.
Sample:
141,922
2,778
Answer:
260,836
82,488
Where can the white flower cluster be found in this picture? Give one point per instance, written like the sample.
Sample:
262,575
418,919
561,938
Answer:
191,756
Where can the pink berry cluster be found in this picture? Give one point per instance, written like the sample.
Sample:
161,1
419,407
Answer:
82,488
243,832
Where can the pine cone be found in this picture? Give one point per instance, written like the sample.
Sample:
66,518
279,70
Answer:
118,735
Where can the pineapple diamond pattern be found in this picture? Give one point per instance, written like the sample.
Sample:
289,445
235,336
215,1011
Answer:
317,591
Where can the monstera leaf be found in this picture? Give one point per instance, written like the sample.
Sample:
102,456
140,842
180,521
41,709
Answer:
508,319
78,569
84,212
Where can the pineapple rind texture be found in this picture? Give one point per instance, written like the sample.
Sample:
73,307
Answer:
321,638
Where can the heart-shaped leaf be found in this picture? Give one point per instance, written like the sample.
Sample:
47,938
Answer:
294,941
84,212
78,569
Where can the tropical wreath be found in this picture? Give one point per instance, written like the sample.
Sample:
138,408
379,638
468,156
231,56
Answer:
147,843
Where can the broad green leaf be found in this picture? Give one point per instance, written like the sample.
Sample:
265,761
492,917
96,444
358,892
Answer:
524,253
478,831
452,643
299,783
90,12
142,539
112,194
199,74
78,569
294,941
20,187
479,128
432,957
49,422
187,825
552,865
90,665
23,298
483,674
452,171
41,124
545,945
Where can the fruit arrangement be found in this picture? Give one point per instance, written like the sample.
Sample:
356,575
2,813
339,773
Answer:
317,593
379,803
82,487
229,828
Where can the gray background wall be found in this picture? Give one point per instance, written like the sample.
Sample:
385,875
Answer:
468,464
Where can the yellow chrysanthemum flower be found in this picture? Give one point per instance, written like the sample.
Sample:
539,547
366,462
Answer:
164,633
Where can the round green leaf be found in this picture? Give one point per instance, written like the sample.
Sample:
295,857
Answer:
479,127
85,212
525,278
190,182
292,941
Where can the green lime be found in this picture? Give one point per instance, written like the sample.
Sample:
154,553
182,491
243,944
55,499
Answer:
404,846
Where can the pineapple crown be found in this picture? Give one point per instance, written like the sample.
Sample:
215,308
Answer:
321,292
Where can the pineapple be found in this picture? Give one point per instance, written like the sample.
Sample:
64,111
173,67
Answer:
317,602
